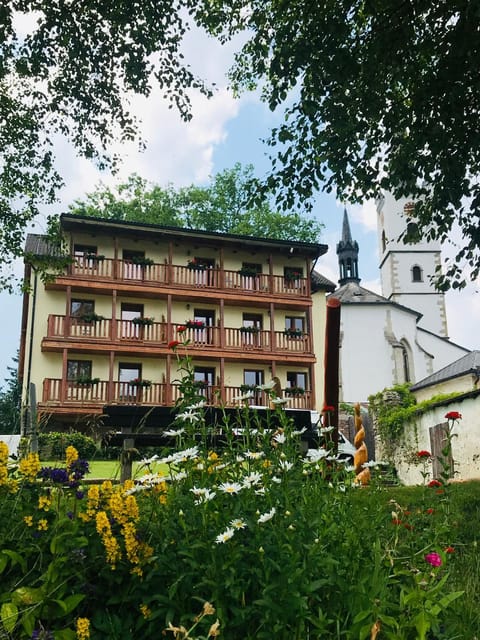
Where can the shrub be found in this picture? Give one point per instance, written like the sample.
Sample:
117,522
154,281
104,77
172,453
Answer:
52,445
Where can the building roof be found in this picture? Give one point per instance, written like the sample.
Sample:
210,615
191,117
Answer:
321,283
71,222
468,364
352,293
38,245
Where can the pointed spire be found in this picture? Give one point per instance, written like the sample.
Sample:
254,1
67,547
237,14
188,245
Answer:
347,251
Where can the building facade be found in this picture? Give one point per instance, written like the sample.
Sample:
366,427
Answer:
101,332
382,341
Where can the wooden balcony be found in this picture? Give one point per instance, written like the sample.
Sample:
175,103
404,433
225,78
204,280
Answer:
66,395
184,277
158,334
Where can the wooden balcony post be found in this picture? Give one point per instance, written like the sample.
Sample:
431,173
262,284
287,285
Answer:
332,347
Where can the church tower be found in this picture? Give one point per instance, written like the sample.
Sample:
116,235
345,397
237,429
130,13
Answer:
406,269
347,252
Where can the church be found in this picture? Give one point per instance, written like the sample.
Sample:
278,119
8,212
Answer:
401,335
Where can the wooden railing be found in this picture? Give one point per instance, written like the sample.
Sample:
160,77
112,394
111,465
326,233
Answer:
58,392
160,333
185,277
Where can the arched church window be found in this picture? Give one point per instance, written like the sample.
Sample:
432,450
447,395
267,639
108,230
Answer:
405,364
417,274
384,240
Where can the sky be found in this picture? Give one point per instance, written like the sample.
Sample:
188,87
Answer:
224,130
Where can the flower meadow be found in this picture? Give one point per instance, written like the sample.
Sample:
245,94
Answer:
250,539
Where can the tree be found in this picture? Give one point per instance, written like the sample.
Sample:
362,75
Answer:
379,95
10,402
222,206
71,75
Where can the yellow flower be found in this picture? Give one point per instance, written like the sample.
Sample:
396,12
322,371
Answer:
30,466
28,520
3,452
83,628
208,609
44,502
145,611
213,456
71,455
42,525
3,475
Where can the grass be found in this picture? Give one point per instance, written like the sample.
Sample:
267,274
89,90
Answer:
109,469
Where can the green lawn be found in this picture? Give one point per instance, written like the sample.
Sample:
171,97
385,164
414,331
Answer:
110,469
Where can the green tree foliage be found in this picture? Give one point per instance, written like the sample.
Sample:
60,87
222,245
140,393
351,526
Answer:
10,402
220,206
378,95
67,69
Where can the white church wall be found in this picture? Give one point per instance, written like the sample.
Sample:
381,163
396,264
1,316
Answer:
444,351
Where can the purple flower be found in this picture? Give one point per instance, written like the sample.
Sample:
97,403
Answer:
79,494
434,559
58,476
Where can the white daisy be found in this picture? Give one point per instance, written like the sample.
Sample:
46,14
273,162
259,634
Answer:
254,455
279,401
174,432
197,405
189,416
280,438
265,517
285,465
148,461
298,432
324,430
226,535
252,480
314,455
230,487
238,523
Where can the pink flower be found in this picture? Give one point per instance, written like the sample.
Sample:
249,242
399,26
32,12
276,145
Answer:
453,415
434,559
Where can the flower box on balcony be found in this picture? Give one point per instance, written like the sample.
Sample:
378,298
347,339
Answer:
137,382
292,276
196,265
294,391
91,317
193,324
294,333
86,381
244,388
200,384
93,256
143,322
249,329
248,272
141,261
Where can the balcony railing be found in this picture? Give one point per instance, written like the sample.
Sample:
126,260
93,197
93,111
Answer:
180,276
160,333
66,393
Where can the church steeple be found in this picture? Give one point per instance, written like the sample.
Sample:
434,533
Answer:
347,252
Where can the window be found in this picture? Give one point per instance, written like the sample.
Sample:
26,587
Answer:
204,380
296,379
252,323
80,308
129,371
417,274
78,369
128,313
384,241
253,378
207,317
294,324
292,273
83,250
405,364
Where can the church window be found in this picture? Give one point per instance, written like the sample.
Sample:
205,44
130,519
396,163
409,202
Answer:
405,363
384,240
417,274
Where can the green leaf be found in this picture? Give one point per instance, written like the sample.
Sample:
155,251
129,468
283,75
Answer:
9,616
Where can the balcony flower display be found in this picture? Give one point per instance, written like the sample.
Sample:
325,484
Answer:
86,381
249,329
247,387
248,272
93,256
200,384
143,322
292,275
293,333
193,324
141,261
91,317
294,391
138,382
196,265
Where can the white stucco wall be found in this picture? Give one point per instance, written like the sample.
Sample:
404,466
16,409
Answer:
465,443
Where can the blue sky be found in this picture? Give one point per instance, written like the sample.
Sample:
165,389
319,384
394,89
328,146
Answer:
224,130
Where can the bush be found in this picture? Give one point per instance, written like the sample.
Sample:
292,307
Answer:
53,445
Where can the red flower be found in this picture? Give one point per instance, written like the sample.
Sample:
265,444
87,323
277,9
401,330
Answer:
328,409
449,550
408,526
453,415
396,521
430,511
424,454
434,483
173,344
181,329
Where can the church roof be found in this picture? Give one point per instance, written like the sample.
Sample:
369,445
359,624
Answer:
468,364
321,283
352,293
